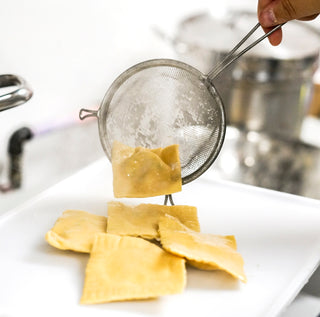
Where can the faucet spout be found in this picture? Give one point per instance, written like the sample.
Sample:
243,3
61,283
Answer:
15,151
20,94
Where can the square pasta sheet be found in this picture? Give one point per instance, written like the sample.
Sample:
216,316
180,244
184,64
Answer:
75,230
125,268
143,220
142,172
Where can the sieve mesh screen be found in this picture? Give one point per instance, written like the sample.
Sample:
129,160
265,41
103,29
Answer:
160,105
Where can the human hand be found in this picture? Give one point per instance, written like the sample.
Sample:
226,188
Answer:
274,12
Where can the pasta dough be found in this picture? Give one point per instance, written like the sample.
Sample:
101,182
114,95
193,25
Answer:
206,251
141,172
75,230
142,220
126,268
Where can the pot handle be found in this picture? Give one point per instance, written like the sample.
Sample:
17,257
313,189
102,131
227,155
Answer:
16,97
87,113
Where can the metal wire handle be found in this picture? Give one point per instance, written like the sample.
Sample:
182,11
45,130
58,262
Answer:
231,56
168,197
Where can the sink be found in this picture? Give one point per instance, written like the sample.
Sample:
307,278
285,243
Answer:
49,158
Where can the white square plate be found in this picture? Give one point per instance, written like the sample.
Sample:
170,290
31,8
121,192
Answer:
278,236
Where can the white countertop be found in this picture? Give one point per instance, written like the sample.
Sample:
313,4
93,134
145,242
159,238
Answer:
276,233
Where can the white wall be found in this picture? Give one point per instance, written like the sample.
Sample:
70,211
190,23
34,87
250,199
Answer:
70,51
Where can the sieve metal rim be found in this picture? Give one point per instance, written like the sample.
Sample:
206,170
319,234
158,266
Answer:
102,112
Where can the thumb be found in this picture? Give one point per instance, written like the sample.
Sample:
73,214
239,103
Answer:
280,11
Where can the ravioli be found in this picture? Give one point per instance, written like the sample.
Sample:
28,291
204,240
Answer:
143,220
75,230
205,251
128,268
142,172
228,240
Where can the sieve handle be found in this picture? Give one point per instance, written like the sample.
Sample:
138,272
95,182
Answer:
233,56
87,113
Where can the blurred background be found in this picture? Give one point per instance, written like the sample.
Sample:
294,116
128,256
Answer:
69,53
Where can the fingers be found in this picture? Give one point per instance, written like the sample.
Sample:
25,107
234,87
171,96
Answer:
275,38
274,12
309,18
280,11
262,4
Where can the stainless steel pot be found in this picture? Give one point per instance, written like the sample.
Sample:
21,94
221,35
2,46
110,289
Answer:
277,163
266,90
19,91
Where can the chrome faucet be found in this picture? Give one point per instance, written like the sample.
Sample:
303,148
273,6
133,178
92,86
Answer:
20,94
15,152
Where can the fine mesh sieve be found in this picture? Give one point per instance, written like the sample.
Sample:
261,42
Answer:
162,102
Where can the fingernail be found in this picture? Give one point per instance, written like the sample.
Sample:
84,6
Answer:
267,18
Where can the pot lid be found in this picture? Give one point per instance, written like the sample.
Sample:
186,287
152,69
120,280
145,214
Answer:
221,34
